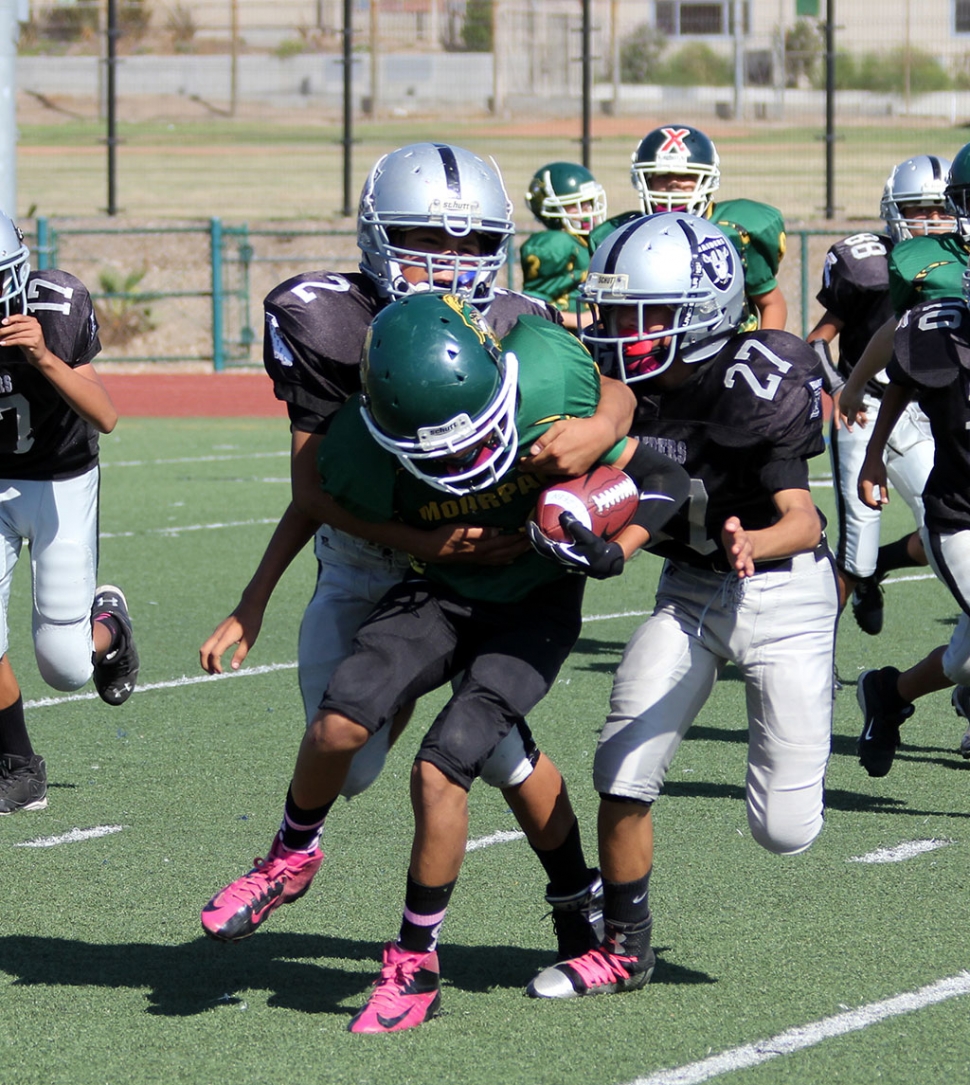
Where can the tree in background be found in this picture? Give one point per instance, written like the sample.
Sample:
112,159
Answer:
477,31
803,51
640,55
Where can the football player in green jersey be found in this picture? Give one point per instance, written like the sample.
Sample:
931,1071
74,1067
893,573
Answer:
569,202
443,431
677,168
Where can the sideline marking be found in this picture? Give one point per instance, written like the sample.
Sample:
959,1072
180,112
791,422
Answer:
899,853
72,837
797,1039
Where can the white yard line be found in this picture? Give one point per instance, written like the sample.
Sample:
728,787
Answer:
900,853
198,459
803,1036
73,837
503,836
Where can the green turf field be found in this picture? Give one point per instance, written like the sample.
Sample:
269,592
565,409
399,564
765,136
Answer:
104,974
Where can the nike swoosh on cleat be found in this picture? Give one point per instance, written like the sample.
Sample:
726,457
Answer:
390,1022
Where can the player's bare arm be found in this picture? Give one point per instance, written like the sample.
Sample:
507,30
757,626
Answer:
772,309
873,486
798,529
80,387
874,358
571,447
242,626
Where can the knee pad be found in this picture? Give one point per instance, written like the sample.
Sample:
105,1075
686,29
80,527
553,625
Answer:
65,654
782,843
367,763
511,762
64,582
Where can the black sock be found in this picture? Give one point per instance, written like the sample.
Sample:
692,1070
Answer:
894,555
565,866
424,912
301,828
14,739
627,902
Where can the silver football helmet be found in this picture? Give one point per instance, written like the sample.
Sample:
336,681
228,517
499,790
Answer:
919,180
670,259
444,187
14,267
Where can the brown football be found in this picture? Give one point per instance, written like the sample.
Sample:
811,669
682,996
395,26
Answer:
603,500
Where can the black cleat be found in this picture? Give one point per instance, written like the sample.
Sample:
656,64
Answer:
875,692
23,784
117,670
867,606
960,699
578,920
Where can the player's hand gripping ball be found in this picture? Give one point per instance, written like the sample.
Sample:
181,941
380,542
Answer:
576,520
603,500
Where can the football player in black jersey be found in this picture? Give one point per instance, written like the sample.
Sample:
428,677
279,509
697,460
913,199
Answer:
748,577
432,216
855,293
52,407
931,363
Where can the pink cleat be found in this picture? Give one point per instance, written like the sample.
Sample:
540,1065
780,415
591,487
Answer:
283,876
405,995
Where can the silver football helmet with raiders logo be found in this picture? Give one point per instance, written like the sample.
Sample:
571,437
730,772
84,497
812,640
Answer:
444,188
669,261
676,151
14,267
919,181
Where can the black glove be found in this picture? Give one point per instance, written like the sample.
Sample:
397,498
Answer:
587,553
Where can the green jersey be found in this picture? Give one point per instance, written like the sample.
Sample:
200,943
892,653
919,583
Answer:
554,264
756,230
926,269
557,379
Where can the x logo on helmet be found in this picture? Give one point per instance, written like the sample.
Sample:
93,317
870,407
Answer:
675,140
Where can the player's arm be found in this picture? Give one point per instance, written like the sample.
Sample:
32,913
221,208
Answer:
454,543
872,487
797,529
572,446
772,309
80,387
824,332
242,626
875,358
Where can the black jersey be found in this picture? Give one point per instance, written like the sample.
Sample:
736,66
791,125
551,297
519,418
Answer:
743,426
41,437
315,328
855,288
932,358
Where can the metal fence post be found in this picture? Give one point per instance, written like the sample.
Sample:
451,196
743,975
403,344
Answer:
215,249
43,244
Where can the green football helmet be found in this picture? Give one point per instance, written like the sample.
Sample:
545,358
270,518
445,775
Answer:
566,196
439,393
678,151
957,191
